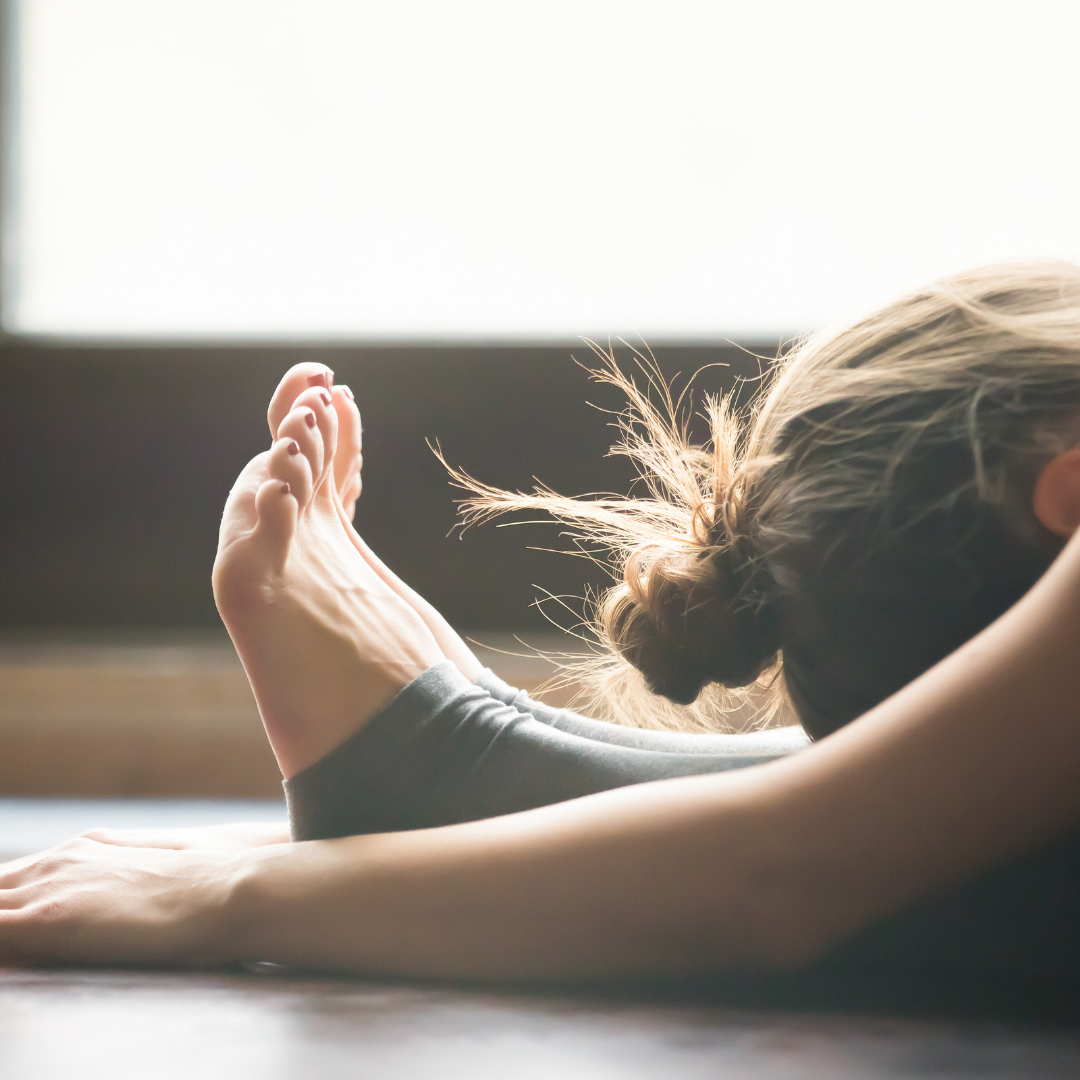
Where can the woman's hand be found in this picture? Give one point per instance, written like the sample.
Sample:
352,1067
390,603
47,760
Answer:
235,836
86,902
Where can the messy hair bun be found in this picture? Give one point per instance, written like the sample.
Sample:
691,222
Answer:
684,620
689,609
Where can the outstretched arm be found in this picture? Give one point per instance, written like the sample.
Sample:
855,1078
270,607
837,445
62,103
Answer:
764,867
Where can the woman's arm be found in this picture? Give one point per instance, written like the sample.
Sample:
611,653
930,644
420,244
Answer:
770,866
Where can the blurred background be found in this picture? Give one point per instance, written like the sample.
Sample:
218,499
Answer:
439,201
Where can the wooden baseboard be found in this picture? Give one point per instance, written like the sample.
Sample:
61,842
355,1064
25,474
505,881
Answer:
170,716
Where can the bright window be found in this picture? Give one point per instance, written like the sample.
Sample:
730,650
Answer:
504,170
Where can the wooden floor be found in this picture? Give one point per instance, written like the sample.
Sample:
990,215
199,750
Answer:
265,1023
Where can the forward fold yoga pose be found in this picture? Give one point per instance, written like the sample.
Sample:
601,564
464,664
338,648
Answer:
891,525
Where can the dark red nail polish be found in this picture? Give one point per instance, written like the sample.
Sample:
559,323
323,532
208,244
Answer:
348,393
309,419
294,448
325,398
318,380
285,489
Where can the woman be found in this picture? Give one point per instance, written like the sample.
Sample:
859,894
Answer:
905,481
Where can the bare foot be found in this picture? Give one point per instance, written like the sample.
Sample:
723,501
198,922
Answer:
348,463
324,641
348,460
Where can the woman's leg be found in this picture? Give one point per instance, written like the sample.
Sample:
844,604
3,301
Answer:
325,643
447,750
774,742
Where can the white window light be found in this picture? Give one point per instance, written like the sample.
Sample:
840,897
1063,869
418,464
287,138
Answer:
231,169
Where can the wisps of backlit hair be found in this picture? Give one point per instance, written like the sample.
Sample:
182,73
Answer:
938,409
686,503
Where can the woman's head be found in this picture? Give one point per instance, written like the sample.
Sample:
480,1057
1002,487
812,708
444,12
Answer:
868,514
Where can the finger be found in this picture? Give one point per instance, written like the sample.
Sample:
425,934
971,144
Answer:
16,899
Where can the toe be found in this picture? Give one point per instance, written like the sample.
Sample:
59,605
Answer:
277,510
296,380
240,516
256,530
314,414
289,463
348,459
300,429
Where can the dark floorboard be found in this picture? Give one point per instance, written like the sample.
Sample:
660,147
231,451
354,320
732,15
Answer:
118,1024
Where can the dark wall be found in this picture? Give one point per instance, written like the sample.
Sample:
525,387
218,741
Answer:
115,463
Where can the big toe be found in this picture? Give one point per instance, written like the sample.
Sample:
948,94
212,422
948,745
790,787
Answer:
294,382
348,461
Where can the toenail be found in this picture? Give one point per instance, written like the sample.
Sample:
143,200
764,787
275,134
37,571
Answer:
325,398
294,448
309,419
348,393
285,489
319,380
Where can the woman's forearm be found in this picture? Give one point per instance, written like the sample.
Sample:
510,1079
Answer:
975,761
636,881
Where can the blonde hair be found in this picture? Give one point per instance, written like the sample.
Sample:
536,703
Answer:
865,515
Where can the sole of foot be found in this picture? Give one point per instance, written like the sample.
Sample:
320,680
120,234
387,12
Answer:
325,643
